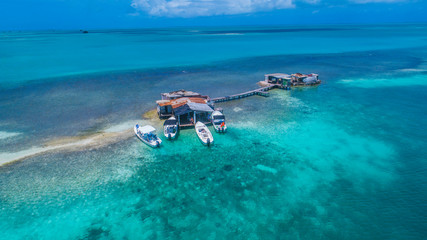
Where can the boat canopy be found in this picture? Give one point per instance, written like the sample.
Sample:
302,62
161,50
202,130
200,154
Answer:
170,122
218,117
147,129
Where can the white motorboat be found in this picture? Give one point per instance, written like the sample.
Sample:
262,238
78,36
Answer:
170,128
218,121
204,134
147,134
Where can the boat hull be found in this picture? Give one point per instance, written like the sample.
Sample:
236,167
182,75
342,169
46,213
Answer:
203,133
217,119
153,144
170,123
220,129
170,136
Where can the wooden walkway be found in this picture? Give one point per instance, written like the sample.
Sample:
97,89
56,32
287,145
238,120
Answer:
260,91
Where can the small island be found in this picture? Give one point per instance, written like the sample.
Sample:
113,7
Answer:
188,106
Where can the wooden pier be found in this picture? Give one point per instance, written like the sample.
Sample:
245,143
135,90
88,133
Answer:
260,91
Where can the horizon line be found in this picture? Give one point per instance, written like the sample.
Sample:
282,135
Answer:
213,26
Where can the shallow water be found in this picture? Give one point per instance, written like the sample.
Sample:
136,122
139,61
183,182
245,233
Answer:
343,160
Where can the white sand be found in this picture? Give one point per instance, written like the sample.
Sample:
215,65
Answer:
108,136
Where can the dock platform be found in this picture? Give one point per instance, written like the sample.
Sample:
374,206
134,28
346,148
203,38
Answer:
259,91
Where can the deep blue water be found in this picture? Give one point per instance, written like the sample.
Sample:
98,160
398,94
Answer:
343,160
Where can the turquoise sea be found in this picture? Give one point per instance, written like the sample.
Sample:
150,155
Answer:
343,160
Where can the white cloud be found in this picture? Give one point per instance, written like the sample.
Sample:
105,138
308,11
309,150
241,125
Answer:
195,8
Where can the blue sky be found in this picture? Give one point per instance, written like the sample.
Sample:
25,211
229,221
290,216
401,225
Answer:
97,14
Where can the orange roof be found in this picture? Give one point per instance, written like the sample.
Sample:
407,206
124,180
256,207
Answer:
182,101
162,103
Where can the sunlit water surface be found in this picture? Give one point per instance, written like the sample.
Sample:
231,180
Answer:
343,160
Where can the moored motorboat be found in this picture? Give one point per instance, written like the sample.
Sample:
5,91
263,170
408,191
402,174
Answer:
218,121
204,134
170,128
147,134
